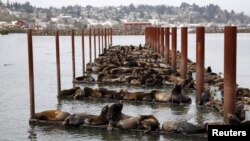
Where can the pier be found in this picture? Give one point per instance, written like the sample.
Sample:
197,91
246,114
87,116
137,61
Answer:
153,65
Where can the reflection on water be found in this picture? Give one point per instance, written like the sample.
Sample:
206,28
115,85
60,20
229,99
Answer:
14,98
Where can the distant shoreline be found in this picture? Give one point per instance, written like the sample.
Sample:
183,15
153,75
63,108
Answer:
67,32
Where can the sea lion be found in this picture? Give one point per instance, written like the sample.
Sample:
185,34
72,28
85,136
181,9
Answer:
216,122
86,78
149,122
53,115
178,97
77,119
121,70
99,120
182,126
92,92
68,92
107,93
209,69
130,123
102,77
243,92
205,97
115,114
131,96
80,93
169,79
159,96
233,120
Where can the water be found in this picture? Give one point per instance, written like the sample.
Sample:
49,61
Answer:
14,94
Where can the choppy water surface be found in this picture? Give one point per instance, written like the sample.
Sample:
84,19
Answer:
14,96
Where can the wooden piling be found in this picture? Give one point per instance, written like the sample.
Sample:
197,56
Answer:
102,40
200,52
99,42
167,45
73,53
162,42
157,39
105,37
83,52
108,35
31,74
90,52
174,46
58,68
154,39
184,37
94,44
230,55
111,37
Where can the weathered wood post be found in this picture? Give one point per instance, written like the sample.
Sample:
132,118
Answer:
73,53
230,55
159,40
58,68
83,52
105,37
174,46
155,39
200,52
90,52
162,42
152,37
31,75
94,44
111,37
167,45
107,34
102,40
99,41
184,37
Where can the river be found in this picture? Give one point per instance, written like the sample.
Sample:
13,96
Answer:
14,94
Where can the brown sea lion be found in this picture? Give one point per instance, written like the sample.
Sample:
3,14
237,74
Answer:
131,96
68,92
205,97
87,78
92,92
233,119
99,120
216,122
182,126
115,114
170,80
149,122
178,97
130,123
243,92
159,96
121,70
54,115
93,67
107,93
77,119
79,94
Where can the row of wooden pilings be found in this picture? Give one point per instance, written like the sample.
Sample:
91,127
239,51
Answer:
105,39
159,39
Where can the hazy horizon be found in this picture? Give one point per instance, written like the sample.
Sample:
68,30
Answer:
237,6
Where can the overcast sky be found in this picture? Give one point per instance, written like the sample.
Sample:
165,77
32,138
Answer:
236,5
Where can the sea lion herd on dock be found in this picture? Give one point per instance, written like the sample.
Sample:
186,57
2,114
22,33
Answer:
112,117
176,95
141,66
